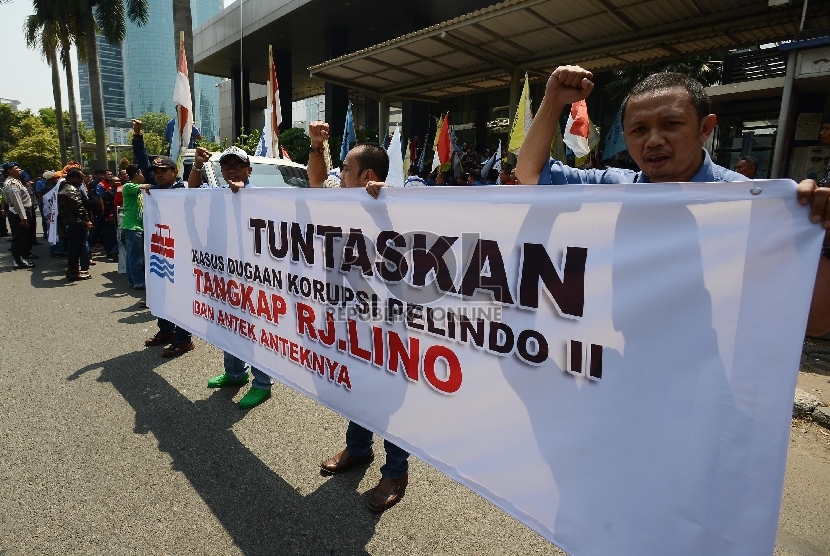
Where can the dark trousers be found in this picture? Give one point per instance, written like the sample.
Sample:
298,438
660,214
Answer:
359,443
20,236
77,248
110,239
32,228
180,335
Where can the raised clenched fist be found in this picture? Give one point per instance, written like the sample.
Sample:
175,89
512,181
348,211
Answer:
569,84
202,156
319,133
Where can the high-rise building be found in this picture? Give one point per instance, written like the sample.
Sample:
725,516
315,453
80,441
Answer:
139,76
150,61
112,87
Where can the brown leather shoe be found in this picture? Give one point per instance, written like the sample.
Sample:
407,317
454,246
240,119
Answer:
159,339
387,493
344,461
177,349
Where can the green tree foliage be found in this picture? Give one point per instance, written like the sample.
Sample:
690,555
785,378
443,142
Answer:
36,147
296,144
50,120
9,119
364,135
87,135
155,122
248,142
213,146
702,68
153,142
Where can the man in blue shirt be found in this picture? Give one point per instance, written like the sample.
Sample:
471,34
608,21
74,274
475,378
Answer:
666,120
236,172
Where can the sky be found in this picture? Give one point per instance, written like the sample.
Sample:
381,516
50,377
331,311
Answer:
32,85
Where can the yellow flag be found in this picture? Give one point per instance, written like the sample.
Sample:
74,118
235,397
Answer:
557,147
521,121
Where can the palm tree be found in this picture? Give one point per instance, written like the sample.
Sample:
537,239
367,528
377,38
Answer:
702,68
61,23
110,18
44,38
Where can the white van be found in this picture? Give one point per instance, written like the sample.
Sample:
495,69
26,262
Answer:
266,172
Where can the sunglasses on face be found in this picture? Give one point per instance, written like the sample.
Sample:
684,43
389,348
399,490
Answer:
234,166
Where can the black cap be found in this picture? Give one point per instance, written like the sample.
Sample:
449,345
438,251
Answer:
164,162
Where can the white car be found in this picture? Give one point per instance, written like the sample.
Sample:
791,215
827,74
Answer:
266,172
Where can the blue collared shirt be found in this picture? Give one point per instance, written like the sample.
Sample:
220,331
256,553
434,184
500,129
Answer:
556,173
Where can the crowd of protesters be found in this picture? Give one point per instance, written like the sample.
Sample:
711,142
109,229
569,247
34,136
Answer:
86,222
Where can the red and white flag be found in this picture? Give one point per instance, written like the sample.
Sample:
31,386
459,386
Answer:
578,129
443,150
274,113
184,110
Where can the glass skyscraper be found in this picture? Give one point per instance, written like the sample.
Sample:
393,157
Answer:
112,87
150,61
139,76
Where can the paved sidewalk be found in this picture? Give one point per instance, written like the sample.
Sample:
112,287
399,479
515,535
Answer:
108,448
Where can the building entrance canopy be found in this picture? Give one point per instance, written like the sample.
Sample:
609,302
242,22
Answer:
488,48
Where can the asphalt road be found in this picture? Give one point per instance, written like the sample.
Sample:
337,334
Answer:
108,448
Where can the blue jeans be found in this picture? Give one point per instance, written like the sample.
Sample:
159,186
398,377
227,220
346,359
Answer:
180,335
359,442
59,247
236,369
134,246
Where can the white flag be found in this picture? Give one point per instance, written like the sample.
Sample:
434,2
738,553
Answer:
395,177
50,212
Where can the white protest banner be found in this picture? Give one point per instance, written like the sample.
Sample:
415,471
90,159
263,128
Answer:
612,365
50,212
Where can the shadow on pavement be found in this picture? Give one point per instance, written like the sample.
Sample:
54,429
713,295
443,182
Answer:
815,356
262,512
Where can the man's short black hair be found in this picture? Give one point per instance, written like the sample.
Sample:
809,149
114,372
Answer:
74,173
413,170
751,160
669,80
132,170
99,172
371,156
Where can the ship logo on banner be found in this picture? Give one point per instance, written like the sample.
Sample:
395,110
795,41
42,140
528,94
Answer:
163,253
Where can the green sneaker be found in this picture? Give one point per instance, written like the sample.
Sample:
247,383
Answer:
254,397
223,381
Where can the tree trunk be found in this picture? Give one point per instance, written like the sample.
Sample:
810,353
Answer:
56,90
95,92
73,109
183,21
